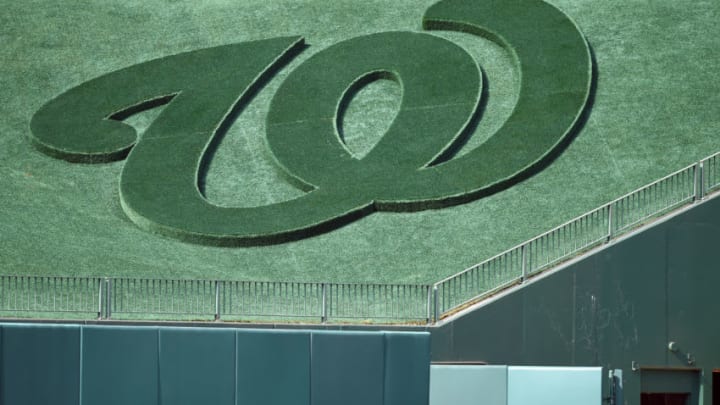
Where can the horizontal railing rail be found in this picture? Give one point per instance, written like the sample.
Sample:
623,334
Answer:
128,298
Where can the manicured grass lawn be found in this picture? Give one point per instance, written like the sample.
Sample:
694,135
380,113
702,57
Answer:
655,110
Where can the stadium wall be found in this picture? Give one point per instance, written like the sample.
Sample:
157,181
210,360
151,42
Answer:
89,364
646,305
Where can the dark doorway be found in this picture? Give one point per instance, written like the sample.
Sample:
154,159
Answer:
664,398
716,387
669,386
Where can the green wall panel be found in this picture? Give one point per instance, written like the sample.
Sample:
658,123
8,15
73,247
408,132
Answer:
693,323
493,334
120,366
347,368
546,337
273,367
407,368
630,313
197,366
40,364
88,365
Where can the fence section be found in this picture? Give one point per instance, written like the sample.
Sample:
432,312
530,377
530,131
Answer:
485,277
711,173
127,298
368,302
44,296
132,298
566,240
248,300
609,221
656,198
241,300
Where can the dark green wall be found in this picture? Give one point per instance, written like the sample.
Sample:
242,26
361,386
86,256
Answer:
108,365
623,304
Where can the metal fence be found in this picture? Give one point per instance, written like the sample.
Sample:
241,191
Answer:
378,302
596,227
124,298
132,298
656,198
127,299
248,300
46,296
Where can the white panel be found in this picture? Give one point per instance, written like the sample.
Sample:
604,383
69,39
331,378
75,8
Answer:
554,385
468,385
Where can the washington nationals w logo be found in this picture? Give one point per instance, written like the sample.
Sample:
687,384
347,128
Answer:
412,167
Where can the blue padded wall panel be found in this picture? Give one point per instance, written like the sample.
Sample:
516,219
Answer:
347,368
407,368
120,366
273,367
40,364
197,366
109,365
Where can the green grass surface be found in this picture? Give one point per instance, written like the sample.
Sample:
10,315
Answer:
655,110
411,168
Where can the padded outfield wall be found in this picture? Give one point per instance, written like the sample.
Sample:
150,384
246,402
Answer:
74,364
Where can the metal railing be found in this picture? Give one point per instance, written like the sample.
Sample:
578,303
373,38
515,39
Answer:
45,296
378,302
250,300
132,298
125,298
594,228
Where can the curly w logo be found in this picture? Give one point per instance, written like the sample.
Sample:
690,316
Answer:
412,167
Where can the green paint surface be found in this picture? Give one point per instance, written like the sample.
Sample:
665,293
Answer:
655,110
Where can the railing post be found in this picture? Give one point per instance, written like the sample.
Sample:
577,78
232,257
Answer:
108,298
523,262
699,184
429,305
696,174
101,285
217,300
610,222
323,315
436,306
